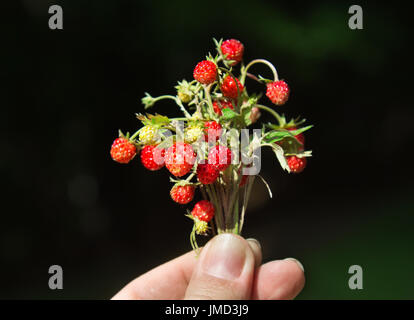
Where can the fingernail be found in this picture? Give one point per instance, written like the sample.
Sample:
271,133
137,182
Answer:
257,250
297,262
225,257
254,242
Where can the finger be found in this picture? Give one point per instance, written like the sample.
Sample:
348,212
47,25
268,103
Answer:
277,280
168,281
257,251
224,270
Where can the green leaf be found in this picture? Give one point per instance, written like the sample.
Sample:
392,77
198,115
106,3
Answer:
158,120
300,130
278,150
245,113
274,136
228,114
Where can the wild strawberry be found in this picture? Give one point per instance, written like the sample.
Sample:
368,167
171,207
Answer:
152,158
229,87
207,173
205,72
185,91
182,194
179,159
233,50
296,164
278,92
192,134
213,130
148,135
123,150
220,157
202,213
223,104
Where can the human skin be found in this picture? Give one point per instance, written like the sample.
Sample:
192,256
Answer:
229,267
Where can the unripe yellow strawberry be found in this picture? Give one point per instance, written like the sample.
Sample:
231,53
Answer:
185,91
148,135
184,97
201,227
192,134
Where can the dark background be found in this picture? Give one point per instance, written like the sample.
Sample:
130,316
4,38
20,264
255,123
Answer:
65,93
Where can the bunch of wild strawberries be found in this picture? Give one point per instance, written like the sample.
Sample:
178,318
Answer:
204,144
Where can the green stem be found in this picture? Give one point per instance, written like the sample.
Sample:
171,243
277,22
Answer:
267,63
135,135
177,101
273,113
219,207
209,101
248,189
234,195
190,177
217,216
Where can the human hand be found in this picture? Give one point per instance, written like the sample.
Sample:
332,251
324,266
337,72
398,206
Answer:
229,267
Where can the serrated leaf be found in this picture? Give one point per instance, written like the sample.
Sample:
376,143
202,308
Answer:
278,150
140,116
228,114
245,113
275,136
158,120
145,121
300,130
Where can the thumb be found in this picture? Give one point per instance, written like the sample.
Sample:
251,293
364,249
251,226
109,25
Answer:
224,270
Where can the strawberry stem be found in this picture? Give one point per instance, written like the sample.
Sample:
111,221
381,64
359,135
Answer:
210,108
177,101
273,113
135,135
263,61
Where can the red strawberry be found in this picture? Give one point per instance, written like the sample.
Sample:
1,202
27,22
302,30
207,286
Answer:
213,130
220,157
278,92
205,72
223,104
179,158
229,87
203,211
123,150
296,164
233,49
152,158
207,173
182,194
